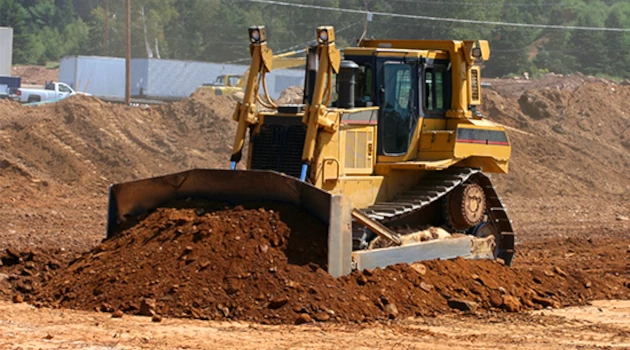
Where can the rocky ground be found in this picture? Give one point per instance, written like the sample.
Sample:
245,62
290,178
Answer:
568,193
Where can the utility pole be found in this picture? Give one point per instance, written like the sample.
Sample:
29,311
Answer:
106,36
368,18
365,20
128,69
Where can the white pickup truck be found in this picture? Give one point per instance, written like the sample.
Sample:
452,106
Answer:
50,92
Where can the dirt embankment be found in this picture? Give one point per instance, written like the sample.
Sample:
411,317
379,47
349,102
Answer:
571,136
58,160
85,143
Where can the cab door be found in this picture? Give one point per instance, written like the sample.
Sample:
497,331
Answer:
398,112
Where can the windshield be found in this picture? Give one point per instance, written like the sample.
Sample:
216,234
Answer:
233,81
64,88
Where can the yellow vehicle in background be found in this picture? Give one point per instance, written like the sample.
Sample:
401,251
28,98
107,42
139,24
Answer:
388,149
227,84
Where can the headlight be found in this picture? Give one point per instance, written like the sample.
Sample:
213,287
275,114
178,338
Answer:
257,34
323,36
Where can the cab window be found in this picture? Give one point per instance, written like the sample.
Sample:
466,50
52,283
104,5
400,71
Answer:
436,97
63,88
363,88
233,81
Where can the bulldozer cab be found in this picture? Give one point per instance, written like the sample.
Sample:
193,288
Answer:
226,80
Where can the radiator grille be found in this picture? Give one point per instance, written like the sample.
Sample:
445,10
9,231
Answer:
279,146
356,156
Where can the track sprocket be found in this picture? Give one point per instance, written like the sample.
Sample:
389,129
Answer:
466,206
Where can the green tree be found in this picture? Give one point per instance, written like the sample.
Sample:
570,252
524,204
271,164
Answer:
13,15
588,45
617,57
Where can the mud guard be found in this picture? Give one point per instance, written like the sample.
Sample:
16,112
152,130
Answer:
235,187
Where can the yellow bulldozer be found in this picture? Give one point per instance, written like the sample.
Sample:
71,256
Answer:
388,149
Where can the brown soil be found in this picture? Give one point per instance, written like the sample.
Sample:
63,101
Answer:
292,95
571,138
35,75
268,266
88,144
568,190
58,160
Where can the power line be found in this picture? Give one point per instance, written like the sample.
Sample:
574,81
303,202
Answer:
438,19
477,4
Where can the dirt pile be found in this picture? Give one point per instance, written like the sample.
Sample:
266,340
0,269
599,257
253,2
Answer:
58,160
570,136
573,132
87,144
35,75
268,265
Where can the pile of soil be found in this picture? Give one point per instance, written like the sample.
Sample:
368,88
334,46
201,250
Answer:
207,261
35,75
58,160
570,136
88,144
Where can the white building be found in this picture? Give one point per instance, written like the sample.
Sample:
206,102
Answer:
6,51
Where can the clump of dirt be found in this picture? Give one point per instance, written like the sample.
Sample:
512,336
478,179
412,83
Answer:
207,261
23,271
292,95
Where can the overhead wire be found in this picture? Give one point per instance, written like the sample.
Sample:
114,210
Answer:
478,4
438,19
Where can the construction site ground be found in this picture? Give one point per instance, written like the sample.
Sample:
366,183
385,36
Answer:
568,193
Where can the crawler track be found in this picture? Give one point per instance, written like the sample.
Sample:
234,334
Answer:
438,185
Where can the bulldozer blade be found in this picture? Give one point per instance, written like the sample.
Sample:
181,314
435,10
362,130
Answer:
467,247
235,187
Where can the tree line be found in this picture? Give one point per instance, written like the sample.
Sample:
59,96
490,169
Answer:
216,30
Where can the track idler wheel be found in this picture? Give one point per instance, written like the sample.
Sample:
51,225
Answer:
466,206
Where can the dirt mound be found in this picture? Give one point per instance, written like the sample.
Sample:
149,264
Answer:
58,160
516,87
267,265
35,75
574,126
566,142
87,143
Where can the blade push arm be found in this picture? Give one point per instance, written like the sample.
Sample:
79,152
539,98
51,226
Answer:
245,112
315,117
